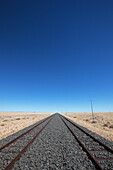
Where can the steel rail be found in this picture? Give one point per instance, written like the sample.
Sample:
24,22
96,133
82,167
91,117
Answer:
11,164
96,140
83,146
15,139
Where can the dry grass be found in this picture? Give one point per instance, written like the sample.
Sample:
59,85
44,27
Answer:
17,118
17,121
5,120
105,125
11,122
93,121
3,124
86,120
102,123
24,118
111,126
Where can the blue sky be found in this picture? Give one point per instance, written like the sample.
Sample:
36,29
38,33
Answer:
56,55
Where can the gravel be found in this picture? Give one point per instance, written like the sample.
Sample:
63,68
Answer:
13,136
92,145
103,140
10,152
55,148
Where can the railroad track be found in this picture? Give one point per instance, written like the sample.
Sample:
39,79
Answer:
13,150
100,154
94,153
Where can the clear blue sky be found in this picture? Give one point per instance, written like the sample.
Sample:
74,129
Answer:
55,55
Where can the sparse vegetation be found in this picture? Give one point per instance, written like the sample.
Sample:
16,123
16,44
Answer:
10,124
93,121
86,120
111,126
5,120
17,118
102,123
3,124
105,125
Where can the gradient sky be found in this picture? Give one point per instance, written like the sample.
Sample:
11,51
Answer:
56,55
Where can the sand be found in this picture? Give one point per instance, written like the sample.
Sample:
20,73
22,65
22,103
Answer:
11,122
101,125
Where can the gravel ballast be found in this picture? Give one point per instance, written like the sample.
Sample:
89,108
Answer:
54,149
10,152
90,144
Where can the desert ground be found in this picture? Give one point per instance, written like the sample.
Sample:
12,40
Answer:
102,124
11,122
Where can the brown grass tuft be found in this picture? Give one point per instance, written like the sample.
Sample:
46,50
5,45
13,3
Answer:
5,120
3,124
86,120
111,126
17,118
105,125
93,121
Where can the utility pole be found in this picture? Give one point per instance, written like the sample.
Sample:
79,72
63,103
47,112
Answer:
92,108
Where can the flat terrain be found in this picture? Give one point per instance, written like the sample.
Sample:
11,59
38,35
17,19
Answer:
102,123
11,122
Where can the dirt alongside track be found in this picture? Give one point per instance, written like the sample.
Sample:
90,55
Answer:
102,123
11,122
